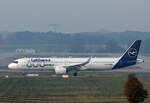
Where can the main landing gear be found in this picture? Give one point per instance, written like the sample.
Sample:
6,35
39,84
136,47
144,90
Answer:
75,74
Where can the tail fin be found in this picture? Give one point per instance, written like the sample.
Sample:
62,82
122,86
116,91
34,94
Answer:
130,56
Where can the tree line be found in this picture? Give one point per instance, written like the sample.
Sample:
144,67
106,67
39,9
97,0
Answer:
75,42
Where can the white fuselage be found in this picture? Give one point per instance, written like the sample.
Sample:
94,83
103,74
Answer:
50,63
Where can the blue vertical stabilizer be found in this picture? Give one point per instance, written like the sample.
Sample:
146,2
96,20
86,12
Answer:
130,56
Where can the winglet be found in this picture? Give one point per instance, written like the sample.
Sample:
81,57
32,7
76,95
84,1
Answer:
89,60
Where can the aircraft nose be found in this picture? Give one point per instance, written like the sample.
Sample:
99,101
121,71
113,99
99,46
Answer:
11,66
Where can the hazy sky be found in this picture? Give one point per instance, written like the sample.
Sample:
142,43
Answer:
75,15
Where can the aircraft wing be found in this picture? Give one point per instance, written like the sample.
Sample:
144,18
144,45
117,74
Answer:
77,67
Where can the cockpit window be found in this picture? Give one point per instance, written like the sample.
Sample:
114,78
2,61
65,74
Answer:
15,62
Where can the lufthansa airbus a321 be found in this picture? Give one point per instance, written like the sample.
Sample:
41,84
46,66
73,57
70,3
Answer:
66,65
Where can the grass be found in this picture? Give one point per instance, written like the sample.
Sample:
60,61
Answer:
71,90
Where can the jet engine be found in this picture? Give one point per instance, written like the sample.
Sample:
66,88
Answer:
60,70
83,68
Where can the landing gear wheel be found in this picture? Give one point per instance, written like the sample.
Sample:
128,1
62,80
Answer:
24,73
75,74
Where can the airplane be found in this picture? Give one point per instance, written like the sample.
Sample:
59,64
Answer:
65,65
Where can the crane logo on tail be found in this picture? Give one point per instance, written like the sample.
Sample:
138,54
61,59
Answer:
132,52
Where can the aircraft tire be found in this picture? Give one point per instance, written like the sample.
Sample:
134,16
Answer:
75,74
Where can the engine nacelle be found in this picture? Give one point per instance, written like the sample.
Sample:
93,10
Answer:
83,68
60,70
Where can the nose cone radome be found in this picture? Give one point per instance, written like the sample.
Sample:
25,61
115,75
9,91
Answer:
12,66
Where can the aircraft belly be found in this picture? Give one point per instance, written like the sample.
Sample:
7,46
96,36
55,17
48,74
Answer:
100,66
